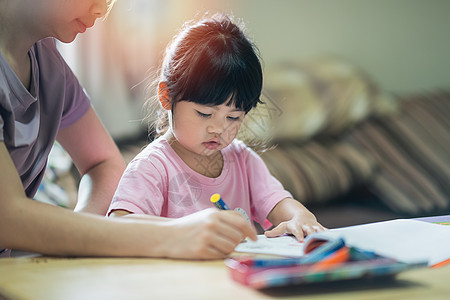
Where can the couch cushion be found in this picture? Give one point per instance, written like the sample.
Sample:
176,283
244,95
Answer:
412,154
320,96
317,172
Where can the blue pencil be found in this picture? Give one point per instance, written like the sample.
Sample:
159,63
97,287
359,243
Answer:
323,251
218,202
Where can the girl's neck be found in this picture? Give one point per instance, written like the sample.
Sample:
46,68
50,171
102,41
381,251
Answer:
209,166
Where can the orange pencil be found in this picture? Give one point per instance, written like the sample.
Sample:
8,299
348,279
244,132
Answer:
441,264
340,256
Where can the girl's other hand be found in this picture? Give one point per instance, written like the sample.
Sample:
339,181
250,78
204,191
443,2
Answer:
299,226
292,218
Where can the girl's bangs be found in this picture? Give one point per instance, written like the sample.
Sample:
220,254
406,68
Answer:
235,85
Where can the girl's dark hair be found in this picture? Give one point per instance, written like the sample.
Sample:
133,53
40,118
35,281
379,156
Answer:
210,62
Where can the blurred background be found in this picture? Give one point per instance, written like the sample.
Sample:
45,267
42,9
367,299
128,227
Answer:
403,45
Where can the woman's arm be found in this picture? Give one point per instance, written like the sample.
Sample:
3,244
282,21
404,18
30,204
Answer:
127,214
32,226
98,160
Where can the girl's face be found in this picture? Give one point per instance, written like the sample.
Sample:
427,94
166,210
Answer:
205,130
65,19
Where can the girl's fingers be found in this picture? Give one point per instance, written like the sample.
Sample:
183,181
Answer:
298,233
308,229
318,228
277,231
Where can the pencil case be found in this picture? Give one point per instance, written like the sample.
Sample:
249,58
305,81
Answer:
243,271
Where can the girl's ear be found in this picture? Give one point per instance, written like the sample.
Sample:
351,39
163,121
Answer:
163,96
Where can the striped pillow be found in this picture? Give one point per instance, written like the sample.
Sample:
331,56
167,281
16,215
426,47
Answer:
412,153
317,172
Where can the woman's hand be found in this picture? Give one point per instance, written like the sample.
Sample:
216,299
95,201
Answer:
207,234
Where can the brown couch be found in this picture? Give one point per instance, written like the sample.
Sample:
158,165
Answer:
349,151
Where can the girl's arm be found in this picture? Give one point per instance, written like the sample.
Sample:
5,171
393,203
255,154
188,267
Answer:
42,228
98,160
291,217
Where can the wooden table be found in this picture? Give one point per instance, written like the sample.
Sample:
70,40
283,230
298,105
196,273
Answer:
110,278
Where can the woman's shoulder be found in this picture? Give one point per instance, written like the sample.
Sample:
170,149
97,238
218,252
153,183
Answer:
49,43
49,59
47,48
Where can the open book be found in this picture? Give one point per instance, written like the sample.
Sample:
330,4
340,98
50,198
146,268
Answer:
405,240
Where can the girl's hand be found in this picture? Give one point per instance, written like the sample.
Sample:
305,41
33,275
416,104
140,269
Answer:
299,226
295,219
207,234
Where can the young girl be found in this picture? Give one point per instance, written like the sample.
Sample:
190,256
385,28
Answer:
40,101
210,79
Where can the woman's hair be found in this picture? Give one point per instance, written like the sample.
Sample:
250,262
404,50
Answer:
211,62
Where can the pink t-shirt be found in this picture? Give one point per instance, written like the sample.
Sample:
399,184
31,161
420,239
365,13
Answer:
158,182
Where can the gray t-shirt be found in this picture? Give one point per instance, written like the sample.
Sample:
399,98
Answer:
30,120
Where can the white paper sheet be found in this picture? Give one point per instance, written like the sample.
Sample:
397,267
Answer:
283,245
406,240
